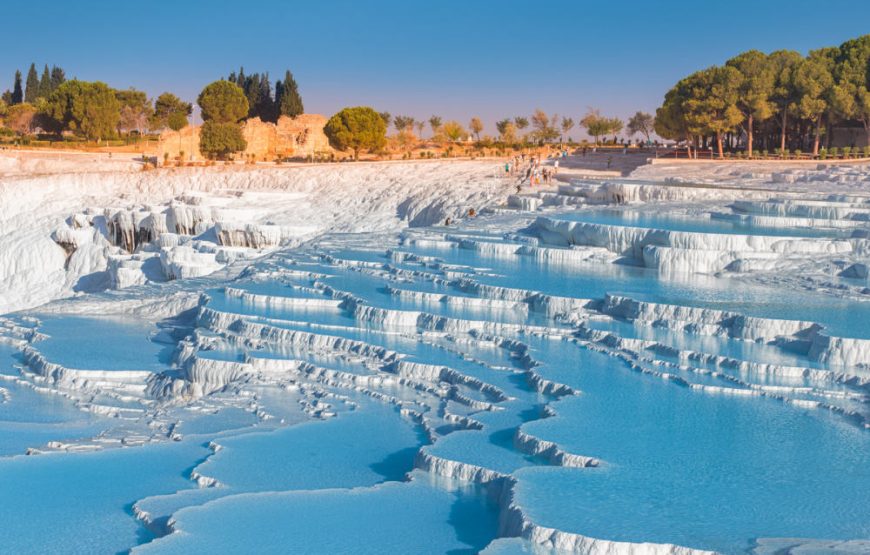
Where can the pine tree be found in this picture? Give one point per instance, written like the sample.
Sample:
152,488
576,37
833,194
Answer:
57,77
291,102
31,91
223,102
171,111
45,83
17,94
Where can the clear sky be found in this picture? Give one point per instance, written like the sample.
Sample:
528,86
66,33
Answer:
448,57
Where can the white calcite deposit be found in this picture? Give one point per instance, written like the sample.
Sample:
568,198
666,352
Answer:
513,354
59,228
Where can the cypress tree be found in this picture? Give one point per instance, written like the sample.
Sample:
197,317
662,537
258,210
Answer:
17,94
279,94
31,91
265,87
45,83
291,102
57,77
266,109
252,92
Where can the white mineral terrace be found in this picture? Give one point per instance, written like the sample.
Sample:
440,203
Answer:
676,362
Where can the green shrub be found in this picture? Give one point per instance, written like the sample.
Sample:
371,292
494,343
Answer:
835,152
847,151
764,153
218,140
866,151
823,154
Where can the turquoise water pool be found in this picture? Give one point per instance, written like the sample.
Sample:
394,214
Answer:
427,396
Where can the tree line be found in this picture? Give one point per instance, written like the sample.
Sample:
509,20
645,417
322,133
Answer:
363,128
781,100
262,103
543,128
96,111
35,87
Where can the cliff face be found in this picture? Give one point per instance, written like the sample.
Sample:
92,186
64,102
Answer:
300,136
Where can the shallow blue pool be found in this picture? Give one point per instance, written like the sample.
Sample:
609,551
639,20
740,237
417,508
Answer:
685,467
102,343
294,418
695,223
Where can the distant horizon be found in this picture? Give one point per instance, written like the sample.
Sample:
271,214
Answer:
487,59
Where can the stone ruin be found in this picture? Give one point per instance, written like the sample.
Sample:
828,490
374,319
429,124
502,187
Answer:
297,137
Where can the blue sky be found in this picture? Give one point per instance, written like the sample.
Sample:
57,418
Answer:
447,57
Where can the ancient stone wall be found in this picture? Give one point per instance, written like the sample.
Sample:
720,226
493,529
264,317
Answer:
262,139
302,136
176,142
290,137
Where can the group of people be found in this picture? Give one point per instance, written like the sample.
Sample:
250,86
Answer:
531,169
